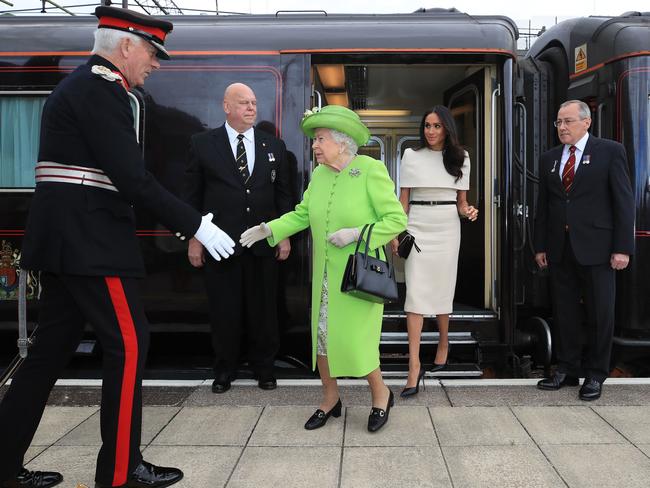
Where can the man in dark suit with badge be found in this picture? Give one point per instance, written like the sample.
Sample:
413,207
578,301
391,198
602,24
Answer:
81,237
240,174
584,232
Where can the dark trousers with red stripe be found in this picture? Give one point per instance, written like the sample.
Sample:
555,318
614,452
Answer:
113,309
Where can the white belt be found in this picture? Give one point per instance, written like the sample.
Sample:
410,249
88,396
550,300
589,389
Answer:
47,171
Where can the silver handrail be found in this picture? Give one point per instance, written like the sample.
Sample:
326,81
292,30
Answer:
599,114
493,142
524,162
320,98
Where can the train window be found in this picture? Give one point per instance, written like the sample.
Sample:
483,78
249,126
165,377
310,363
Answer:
20,119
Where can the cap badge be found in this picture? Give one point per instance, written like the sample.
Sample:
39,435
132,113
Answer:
105,73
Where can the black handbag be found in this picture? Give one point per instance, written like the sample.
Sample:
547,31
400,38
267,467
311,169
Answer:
405,243
367,277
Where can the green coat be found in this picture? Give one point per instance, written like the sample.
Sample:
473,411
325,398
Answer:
362,193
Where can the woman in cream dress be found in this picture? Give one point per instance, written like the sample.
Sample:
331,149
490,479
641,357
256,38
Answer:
434,180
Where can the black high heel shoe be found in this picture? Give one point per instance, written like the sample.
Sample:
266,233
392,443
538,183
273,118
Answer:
319,418
414,390
378,417
440,367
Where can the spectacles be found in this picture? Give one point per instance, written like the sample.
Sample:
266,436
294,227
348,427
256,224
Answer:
567,122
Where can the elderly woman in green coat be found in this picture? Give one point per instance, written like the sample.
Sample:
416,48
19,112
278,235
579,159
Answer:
346,192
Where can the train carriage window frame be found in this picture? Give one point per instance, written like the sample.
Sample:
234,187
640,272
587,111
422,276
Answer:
24,182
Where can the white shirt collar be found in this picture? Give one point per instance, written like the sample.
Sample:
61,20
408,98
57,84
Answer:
580,145
232,133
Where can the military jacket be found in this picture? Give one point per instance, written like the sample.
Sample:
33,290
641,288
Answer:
85,230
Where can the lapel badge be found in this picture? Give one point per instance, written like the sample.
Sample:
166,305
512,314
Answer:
586,159
271,157
272,176
354,172
554,166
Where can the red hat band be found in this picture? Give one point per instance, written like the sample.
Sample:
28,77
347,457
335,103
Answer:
112,22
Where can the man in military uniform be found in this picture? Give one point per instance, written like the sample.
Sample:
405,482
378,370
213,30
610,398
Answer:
81,236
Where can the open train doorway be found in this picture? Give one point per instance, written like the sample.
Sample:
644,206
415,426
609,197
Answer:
390,96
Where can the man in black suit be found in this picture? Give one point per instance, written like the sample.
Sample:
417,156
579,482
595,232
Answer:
81,237
584,232
241,176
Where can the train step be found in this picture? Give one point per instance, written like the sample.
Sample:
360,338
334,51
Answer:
429,337
452,370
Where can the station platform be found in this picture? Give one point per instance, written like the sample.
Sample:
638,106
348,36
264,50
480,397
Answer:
456,433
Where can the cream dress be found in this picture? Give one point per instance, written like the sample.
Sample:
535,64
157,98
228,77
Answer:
431,274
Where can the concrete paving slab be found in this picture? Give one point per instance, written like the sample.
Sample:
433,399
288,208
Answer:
500,466
632,422
58,421
645,448
391,467
407,426
202,466
604,466
32,453
154,419
75,463
477,426
287,467
566,425
284,426
210,426
503,396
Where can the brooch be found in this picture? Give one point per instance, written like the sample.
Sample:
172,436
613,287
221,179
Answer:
586,159
105,73
354,172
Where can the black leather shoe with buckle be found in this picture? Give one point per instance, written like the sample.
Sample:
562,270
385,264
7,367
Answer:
33,479
319,418
147,475
378,416
557,381
590,389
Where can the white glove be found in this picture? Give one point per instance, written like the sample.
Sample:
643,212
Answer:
216,241
254,234
343,237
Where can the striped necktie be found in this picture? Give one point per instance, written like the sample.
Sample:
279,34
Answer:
569,170
242,162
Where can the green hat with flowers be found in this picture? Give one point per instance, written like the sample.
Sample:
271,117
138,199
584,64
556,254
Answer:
337,118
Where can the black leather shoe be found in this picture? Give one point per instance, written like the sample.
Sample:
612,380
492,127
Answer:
319,418
146,475
590,390
267,383
221,383
414,390
33,479
378,417
557,381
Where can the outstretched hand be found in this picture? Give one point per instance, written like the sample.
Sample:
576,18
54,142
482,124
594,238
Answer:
255,234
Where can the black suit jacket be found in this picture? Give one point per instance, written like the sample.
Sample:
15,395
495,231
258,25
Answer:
598,210
85,230
213,184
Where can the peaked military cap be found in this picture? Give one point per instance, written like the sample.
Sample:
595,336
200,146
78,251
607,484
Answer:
151,29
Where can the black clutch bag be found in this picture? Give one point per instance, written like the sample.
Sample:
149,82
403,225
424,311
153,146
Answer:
405,243
367,277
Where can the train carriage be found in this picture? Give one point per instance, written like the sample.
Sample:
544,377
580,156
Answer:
389,68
